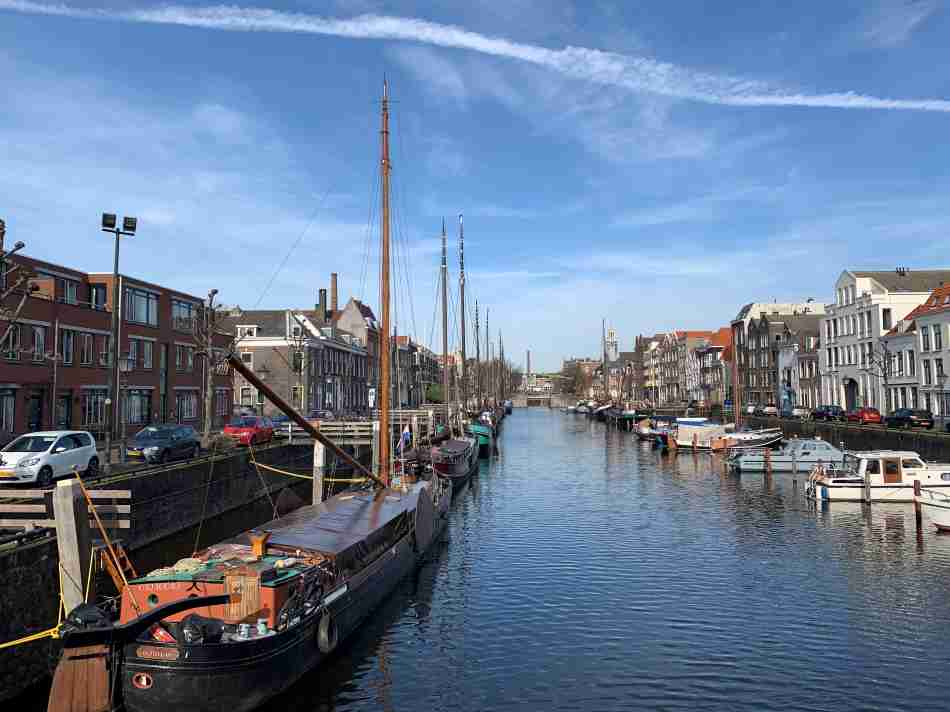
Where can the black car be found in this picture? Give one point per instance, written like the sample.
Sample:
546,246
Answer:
829,413
161,443
910,418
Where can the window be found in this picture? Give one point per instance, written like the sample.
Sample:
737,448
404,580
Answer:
911,363
248,358
925,367
11,346
873,467
296,332
147,354
68,290
94,406
938,338
298,362
7,410
247,395
184,357
85,349
138,406
141,307
133,354
222,403
66,346
260,398
183,315
925,339
39,343
186,405
886,319
97,296
938,367
105,350
243,331
297,396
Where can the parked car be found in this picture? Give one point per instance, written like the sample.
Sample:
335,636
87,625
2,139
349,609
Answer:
801,413
161,443
750,409
320,415
250,429
770,410
829,413
41,457
864,416
910,418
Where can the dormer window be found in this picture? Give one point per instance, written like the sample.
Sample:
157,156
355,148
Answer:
243,331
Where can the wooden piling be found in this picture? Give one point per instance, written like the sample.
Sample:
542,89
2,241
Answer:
918,519
72,539
319,467
376,435
768,460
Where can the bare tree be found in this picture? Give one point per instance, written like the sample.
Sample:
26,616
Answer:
15,288
880,364
206,330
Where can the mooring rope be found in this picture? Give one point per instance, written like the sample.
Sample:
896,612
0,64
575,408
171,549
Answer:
263,482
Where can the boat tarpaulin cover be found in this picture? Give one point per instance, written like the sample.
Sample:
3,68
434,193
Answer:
342,526
705,434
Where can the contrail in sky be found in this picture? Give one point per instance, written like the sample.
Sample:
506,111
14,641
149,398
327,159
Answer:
634,73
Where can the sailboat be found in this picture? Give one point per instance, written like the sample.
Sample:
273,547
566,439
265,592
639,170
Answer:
242,620
455,458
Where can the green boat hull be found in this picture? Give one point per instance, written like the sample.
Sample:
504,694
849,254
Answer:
485,438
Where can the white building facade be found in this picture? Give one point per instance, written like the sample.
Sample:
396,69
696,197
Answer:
867,305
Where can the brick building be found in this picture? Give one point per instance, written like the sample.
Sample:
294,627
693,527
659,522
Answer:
54,366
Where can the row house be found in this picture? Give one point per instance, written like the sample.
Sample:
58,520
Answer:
54,367
748,372
715,368
651,370
915,359
302,355
867,306
676,364
799,384
415,371
763,339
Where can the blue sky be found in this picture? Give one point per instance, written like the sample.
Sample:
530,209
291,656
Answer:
657,164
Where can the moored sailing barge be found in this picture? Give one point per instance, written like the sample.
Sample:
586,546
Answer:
242,620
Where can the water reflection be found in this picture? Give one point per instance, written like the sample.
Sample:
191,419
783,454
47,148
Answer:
585,570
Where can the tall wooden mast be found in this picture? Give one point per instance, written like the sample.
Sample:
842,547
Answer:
603,362
384,346
464,388
445,331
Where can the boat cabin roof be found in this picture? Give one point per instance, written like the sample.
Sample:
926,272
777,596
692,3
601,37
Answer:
877,454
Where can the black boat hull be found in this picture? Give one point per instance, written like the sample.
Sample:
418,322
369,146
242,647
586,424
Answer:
240,677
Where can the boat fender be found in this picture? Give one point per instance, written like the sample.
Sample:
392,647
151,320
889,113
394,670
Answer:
327,634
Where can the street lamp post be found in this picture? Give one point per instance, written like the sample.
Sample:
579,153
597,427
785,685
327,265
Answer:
128,230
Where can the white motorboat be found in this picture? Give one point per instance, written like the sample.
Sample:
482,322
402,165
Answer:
936,506
877,476
797,455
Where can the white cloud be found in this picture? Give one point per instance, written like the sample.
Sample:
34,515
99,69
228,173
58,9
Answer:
638,74
890,23
432,69
701,209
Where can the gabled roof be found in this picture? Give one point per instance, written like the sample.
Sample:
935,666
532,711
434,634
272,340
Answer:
269,322
722,337
907,281
937,303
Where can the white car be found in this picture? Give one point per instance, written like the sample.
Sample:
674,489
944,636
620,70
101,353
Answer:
802,413
770,410
43,456
750,409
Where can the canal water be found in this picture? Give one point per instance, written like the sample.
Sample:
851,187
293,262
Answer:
584,570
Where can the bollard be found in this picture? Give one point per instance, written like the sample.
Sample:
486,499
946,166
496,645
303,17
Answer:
768,460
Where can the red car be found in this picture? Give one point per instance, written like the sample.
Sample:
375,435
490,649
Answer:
864,416
250,429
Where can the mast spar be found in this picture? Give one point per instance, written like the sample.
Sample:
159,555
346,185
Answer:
464,387
384,347
445,330
478,363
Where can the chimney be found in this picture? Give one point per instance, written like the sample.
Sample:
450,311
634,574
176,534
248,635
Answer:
333,302
322,306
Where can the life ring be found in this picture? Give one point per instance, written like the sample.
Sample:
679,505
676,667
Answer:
327,634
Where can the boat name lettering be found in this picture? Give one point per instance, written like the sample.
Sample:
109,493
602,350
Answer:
150,652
